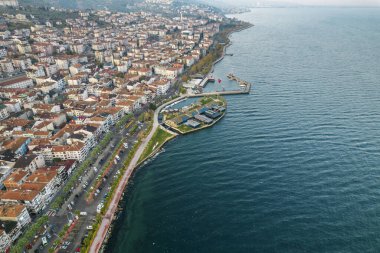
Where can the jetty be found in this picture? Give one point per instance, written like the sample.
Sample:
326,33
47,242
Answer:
242,83
221,93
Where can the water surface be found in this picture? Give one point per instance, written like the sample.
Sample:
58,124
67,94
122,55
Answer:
294,166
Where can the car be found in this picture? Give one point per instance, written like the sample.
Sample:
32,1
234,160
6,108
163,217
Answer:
77,249
95,194
83,213
89,227
97,191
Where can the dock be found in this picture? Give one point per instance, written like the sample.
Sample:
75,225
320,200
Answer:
206,80
246,90
241,82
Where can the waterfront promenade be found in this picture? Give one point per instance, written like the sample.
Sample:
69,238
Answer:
107,219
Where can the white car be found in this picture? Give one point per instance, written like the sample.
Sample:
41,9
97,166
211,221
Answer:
99,207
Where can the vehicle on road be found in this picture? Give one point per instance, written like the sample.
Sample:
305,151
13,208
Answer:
83,213
44,241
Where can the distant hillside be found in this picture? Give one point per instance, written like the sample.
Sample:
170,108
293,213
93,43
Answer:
82,4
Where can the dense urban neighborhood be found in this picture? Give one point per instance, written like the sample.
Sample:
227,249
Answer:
77,91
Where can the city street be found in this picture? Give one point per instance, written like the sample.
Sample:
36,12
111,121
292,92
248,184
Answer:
77,200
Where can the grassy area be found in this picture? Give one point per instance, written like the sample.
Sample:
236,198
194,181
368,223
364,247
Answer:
206,100
185,128
159,137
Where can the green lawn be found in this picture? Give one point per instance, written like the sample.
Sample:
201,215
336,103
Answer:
206,100
159,137
184,128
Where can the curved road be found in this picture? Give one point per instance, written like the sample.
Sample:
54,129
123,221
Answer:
107,219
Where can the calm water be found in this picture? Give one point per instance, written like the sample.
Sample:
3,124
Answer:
293,167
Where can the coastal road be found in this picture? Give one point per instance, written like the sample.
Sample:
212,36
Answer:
107,219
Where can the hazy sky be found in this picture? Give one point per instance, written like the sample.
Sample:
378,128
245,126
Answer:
307,2
333,2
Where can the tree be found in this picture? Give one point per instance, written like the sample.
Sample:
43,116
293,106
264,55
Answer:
152,107
185,78
120,75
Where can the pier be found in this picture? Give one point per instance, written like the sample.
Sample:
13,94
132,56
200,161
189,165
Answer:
241,82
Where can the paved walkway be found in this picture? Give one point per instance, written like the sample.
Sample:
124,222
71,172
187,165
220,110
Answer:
106,222
107,219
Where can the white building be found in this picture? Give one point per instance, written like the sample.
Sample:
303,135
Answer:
3,112
5,241
17,82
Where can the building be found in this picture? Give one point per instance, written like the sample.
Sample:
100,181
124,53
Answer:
5,241
33,199
17,213
30,163
8,3
202,118
3,112
20,82
15,179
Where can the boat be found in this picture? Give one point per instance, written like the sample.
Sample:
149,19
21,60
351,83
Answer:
211,79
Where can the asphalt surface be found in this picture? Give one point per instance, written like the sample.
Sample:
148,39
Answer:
57,220
106,222
77,199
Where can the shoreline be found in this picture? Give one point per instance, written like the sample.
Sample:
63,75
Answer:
228,35
119,192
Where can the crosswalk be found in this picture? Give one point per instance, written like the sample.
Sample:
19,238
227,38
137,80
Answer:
51,213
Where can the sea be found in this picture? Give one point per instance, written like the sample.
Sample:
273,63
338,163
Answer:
292,167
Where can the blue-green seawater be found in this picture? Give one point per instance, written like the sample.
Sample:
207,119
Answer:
293,167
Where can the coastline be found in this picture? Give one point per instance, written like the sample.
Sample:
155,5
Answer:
228,35
119,193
